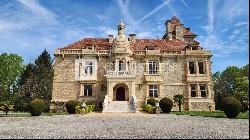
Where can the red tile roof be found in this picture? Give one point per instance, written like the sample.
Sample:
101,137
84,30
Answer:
139,44
161,44
99,43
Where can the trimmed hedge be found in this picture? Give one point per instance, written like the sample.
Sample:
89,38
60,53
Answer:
232,107
151,101
36,107
71,105
166,104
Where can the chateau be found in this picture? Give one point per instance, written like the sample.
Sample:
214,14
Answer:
120,73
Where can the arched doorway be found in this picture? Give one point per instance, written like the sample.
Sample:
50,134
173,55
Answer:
120,94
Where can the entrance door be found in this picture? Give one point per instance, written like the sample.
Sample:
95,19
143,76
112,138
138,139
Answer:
120,94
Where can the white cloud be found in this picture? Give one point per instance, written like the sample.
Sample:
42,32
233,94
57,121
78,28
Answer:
217,40
144,35
34,6
156,9
241,24
101,17
236,32
186,5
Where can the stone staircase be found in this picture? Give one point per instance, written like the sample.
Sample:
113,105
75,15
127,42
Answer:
119,106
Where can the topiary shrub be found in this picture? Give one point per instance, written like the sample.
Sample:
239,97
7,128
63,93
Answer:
151,101
231,107
36,107
166,104
71,105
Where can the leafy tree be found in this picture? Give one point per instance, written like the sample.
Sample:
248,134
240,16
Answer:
227,84
244,71
11,66
179,98
242,92
228,80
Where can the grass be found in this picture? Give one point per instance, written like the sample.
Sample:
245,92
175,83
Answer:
215,114
27,114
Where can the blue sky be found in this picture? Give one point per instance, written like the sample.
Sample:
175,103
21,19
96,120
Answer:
27,27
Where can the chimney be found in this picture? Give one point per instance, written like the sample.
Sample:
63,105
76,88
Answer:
110,38
131,38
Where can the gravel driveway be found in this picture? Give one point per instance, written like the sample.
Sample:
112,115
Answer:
123,126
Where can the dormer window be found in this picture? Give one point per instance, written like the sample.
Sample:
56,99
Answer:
89,47
195,48
151,47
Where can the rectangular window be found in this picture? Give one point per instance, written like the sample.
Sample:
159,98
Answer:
153,91
203,90
194,48
80,69
191,67
153,67
88,68
201,67
88,90
122,66
193,90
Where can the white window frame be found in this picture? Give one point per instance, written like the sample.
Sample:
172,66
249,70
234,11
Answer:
153,89
154,67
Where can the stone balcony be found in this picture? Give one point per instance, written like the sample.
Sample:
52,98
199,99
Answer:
120,74
199,52
153,77
198,77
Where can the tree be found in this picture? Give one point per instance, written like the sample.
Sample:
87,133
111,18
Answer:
11,65
44,75
179,98
26,88
218,95
242,92
228,80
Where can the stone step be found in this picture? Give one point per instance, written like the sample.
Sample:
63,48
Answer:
119,106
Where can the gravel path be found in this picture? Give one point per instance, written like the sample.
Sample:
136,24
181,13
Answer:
123,126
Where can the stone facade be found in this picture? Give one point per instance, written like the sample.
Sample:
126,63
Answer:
109,70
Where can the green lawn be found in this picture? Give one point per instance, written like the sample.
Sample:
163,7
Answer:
215,114
27,114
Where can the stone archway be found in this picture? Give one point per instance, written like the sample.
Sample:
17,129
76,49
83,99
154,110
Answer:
120,92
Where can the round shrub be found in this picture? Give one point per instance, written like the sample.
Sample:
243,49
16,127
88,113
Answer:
231,107
36,107
166,104
71,105
151,101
